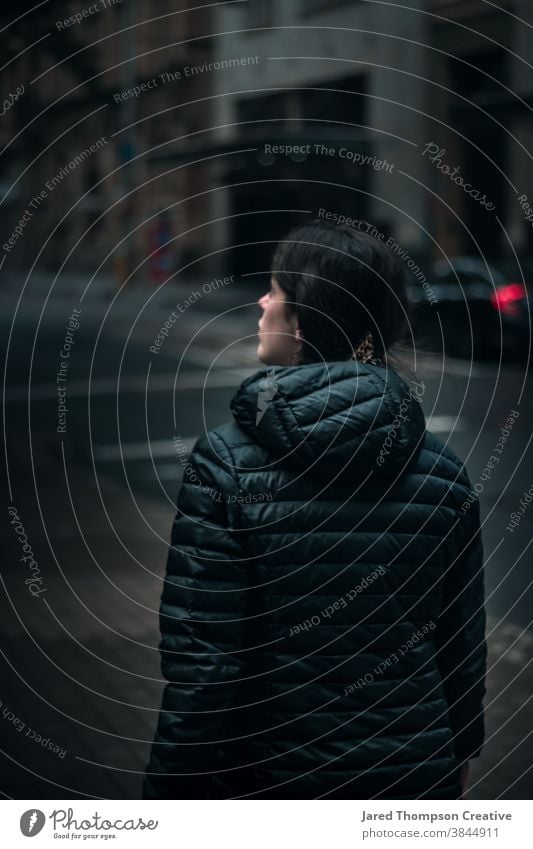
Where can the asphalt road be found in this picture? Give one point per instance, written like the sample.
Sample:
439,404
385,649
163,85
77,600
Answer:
124,404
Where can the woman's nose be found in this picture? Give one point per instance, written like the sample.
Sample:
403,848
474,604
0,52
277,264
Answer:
262,301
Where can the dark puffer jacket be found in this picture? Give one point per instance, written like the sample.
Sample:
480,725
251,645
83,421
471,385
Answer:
322,616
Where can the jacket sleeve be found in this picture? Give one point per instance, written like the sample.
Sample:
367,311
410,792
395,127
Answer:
202,618
460,639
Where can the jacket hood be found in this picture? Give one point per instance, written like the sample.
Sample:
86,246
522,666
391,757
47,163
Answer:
338,420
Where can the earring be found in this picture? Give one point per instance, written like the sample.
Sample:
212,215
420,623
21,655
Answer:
365,352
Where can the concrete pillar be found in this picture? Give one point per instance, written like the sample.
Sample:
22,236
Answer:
401,80
520,164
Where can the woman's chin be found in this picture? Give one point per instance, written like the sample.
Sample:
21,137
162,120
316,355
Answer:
272,358
263,356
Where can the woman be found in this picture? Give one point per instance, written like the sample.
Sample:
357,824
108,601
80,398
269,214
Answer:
322,616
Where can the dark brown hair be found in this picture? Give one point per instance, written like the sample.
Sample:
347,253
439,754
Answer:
342,284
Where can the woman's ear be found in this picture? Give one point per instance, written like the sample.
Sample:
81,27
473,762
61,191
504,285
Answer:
297,346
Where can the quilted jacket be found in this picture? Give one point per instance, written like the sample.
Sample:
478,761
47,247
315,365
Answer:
322,615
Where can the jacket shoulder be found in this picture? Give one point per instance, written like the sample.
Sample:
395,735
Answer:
435,449
434,458
439,460
232,436
228,448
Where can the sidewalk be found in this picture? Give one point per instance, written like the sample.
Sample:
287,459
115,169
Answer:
80,665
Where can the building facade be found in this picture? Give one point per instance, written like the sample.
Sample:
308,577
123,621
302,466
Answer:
415,117
200,133
105,87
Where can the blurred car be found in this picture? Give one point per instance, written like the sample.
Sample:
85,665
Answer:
474,310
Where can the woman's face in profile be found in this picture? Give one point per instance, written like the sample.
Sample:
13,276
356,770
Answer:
278,341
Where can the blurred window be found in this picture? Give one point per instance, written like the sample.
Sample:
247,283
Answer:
316,104
346,102
309,7
271,107
259,13
472,74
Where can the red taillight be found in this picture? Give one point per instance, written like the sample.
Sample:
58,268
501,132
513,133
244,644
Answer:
506,299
